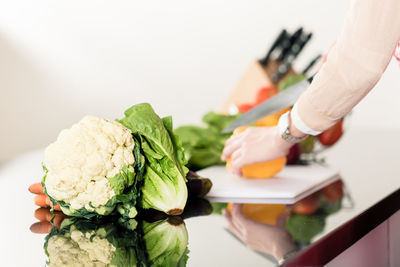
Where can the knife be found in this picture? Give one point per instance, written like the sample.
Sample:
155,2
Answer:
289,43
282,36
278,102
311,64
291,56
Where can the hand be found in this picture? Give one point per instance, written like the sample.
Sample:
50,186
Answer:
255,144
274,240
41,199
45,216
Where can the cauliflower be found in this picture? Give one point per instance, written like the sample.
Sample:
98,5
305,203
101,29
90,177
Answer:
100,241
88,165
79,250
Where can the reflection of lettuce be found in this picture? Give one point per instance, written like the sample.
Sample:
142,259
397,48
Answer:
304,227
164,185
166,242
110,241
218,207
203,145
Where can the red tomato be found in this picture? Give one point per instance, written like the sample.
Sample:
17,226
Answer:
307,205
334,191
265,93
245,107
332,135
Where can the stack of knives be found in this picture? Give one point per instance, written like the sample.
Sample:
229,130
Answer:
285,49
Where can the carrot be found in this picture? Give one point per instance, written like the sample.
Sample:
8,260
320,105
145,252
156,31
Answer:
36,188
42,200
41,227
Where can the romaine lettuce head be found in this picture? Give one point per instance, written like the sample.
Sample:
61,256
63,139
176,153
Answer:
166,242
82,242
163,187
94,167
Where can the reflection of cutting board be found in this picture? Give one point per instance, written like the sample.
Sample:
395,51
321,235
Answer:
290,185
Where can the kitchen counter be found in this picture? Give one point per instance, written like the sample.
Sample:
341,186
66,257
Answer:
369,167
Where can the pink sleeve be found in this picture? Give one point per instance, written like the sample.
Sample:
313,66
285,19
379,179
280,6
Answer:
354,65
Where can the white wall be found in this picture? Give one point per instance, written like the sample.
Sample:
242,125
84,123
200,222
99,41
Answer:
60,60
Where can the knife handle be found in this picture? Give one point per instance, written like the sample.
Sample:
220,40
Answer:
311,64
290,42
278,41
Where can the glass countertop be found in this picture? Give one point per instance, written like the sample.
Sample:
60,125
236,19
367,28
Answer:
246,235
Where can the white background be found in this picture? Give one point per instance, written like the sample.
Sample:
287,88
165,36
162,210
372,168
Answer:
61,60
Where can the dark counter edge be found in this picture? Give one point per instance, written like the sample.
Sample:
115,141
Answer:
340,239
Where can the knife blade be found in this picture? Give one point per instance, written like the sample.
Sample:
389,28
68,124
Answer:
278,102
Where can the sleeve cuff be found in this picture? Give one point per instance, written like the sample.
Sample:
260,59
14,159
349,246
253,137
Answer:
299,123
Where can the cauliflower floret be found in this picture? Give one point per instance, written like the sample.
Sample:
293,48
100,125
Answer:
82,159
80,250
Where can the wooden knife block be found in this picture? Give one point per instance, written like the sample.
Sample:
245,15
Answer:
255,77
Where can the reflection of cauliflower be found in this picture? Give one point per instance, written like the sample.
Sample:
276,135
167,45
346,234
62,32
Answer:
85,162
101,241
79,249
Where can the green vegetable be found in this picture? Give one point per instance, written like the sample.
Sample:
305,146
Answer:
218,207
104,241
197,186
166,242
329,207
291,80
125,184
203,145
304,227
307,145
93,243
164,179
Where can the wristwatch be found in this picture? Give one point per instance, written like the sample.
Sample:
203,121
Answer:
283,128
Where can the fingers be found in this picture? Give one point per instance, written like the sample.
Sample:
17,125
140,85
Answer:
281,222
231,225
45,215
43,201
231,146
237,162
41,227
36,188
238,215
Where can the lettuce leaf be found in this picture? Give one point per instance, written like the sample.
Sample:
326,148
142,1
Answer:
164,185
203,145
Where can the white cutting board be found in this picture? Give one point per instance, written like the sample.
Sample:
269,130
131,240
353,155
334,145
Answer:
287,187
